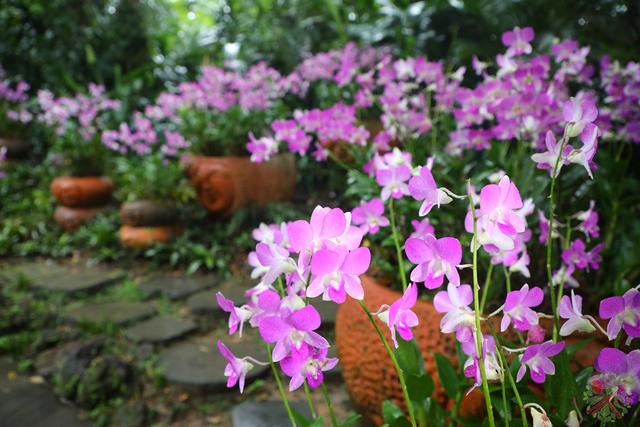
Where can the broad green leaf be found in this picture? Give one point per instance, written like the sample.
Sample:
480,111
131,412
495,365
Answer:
409,357
393,416
420,387
447,374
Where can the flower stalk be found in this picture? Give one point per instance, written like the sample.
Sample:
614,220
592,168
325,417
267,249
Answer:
393,358
477,314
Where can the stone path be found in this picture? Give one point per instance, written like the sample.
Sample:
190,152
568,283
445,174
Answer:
33,405
175,316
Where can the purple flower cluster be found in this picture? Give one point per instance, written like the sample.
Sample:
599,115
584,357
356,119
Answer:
621,85
82,114
329,263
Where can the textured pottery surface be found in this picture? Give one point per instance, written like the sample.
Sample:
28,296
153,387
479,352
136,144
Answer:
86,191
148,213
367,370
72,218
141,237
225,184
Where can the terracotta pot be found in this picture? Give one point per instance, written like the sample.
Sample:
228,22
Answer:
16,148
367,370
86,191
369,373
71,218
148,213
225,184
141,237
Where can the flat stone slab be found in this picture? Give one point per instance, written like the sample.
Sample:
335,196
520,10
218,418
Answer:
270,413
201,365
77,280
175,287
30,271
118,312
205,302
160,329
33,405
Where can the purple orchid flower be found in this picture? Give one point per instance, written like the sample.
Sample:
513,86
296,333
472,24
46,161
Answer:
336,273
435,259
570,308
517,308
620,372
459,317
393,181
290,330
537,358
589,221
237,315
307,364
578,112
272,261
421,228
236,369
423,187
400,317
518,40
370,216
624,312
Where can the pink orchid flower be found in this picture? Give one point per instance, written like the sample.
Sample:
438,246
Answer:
291,330
307,364
517,308
578,112
570,308
423,187
624,312
370,216
400,317
459,317
236,369
537,358
435,259
326,224
336,273
237,315
272,261
518,40
393,181
421,228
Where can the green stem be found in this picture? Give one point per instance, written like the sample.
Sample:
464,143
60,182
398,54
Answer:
554,303
280,287
396,241
503,362
327,400
477,314
280,388
507,278
485,289
307,393
505,407
392,356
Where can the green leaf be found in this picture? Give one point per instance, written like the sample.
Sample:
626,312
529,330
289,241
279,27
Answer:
419,387
393,416
351,419
435,413
409,357
447,374
561,387
302,421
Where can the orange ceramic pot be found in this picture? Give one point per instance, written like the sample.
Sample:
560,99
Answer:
369,373
148,213
71,218
225,184
85,191
366,368
142,237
